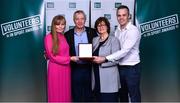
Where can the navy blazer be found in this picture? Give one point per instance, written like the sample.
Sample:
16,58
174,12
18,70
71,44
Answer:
91,33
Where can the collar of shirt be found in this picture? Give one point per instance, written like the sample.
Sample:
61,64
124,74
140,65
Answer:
126,28
79,34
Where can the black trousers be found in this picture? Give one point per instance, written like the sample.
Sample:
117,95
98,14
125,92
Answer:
81,83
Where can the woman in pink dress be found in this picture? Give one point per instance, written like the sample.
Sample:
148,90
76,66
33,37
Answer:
59,72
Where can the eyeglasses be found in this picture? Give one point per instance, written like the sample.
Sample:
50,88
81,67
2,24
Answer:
101,25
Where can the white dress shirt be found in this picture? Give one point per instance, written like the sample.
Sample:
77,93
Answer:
129,38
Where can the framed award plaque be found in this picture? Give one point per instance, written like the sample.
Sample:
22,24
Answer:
85,51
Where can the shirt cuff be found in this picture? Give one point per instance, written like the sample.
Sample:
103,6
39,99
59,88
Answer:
109,59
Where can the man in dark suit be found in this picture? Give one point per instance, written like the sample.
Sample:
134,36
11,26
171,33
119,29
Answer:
81,70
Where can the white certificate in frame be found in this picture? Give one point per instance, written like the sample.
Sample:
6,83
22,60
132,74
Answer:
85,50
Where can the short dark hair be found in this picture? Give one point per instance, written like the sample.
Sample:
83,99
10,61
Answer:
102,19
122,7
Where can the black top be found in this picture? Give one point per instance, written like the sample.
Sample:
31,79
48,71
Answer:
96,67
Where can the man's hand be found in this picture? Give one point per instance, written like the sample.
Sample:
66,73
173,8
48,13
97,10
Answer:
98,59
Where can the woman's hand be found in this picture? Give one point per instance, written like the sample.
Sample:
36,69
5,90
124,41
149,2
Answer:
74,58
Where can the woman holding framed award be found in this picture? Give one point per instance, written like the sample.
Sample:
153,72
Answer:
106,75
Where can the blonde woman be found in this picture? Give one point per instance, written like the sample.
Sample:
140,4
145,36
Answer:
57,52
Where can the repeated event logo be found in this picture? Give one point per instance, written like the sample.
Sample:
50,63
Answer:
72,5
21,26
117,4
50,5
160,25
97,4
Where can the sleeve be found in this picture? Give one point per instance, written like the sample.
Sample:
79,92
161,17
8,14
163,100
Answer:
56,59
130,40
115,46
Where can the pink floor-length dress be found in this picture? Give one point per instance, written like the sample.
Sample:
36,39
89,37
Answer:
59,72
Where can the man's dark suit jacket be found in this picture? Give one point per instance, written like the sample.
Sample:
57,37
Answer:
91,33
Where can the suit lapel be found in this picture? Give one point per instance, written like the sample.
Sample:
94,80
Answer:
72,43
89,35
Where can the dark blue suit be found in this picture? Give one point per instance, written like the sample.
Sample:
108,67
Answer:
81,73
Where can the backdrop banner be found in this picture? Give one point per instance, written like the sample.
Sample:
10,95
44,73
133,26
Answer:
92,8
107,8
65,8
22,66
158,21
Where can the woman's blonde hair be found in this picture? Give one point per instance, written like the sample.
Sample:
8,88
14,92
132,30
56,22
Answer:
56,21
